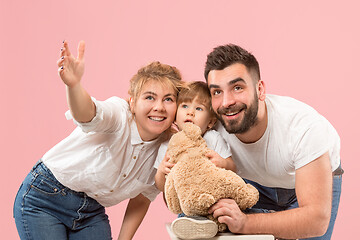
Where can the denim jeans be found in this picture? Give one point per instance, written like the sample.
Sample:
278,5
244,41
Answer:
279,199
45,209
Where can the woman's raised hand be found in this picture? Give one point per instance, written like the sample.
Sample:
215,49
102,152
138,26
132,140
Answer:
71,69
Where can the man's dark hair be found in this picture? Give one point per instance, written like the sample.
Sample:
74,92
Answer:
226,55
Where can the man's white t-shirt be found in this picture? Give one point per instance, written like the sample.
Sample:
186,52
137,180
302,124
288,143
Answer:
296,134
213,139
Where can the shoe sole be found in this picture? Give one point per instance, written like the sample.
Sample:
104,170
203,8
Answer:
188,228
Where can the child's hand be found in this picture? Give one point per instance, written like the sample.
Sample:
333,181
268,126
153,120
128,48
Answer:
163,170
165,166
174,128
216,159
71,69
220,162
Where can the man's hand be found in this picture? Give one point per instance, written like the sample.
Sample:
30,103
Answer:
71,69
228,212
313,191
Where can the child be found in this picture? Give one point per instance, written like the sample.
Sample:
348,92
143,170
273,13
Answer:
108,158
194,105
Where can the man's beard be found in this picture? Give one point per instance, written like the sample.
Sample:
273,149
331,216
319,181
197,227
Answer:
249,119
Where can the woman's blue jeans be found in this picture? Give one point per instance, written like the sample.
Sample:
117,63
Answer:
279,199
45,209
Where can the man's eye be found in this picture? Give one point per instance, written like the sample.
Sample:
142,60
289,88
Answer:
237,88
216,92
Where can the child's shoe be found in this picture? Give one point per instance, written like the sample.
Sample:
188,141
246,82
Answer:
194,227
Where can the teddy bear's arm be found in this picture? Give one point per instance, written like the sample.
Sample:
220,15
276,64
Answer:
246,196
197,205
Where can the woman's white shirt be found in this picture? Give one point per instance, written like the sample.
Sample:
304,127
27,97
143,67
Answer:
106,158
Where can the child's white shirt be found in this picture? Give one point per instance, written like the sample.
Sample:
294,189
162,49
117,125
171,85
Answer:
213,140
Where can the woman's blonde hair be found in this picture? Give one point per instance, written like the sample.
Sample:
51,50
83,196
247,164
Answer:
163,73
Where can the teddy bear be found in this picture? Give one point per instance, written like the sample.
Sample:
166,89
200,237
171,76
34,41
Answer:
194,183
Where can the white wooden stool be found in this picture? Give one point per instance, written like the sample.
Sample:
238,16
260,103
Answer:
225,236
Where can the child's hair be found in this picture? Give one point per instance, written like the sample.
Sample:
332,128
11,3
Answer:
163,73
196,90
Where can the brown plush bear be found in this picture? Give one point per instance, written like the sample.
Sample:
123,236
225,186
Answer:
194,183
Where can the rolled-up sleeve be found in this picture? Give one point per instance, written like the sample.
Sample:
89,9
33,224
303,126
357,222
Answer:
109,117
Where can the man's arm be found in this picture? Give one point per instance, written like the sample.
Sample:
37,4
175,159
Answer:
135,213
313,190
71,70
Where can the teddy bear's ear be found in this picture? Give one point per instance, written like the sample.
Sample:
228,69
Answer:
192,131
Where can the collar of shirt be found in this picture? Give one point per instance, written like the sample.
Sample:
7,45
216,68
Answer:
136,139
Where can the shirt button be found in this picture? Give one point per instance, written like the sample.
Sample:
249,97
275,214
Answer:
124,175
96,195
134,157
111,190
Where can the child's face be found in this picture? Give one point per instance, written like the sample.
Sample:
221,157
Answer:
154,109
196,113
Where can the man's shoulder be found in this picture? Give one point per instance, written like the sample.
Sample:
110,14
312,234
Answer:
284,109
292,119
284,102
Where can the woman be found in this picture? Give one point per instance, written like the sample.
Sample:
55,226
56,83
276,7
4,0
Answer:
108,158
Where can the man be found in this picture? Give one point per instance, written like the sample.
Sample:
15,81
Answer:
282,146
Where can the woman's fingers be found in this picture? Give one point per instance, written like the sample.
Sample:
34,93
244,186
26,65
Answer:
60,62
60,70
66,49
81,50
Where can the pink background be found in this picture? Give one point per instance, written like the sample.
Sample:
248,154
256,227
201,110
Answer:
307,49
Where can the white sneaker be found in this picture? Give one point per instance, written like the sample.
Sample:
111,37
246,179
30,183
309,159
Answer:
194,228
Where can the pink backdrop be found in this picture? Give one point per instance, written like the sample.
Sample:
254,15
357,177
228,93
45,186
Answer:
307,49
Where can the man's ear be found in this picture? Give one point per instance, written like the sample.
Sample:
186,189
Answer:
260,88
